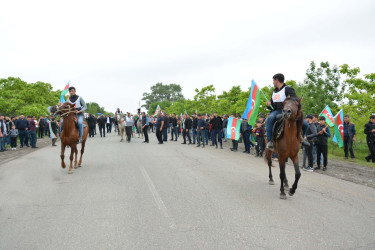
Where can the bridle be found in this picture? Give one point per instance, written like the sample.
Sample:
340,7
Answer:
65,111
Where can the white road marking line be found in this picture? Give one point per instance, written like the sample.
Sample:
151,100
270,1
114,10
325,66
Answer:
157,198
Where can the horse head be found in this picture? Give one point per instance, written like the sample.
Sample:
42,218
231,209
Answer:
292,108
62,109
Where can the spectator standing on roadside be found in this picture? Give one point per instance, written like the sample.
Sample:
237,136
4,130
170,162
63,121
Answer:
349,137
41,127
13,137
33,136
22,125
370,138
322,143
54,129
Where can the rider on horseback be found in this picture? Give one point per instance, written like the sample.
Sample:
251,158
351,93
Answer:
80,106
280,93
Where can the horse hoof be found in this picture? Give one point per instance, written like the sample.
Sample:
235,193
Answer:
75,167
79,166
63,166
283,196
286,188
70,172
271,182
290,193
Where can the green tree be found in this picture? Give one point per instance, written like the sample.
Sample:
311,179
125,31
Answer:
94,108
360,96
19,97
162,92
321,87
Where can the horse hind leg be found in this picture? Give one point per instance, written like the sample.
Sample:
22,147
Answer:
268,160
82,151
75,158
297,176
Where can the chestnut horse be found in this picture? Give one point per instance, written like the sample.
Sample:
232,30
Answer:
70,134
288,145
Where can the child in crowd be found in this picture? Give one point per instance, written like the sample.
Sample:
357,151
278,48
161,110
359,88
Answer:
13,137
259,137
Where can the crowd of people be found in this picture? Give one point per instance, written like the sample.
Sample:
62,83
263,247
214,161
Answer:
200,129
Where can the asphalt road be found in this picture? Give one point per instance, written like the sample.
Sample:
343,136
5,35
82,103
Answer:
173,196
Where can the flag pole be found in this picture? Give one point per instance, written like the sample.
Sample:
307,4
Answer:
262,93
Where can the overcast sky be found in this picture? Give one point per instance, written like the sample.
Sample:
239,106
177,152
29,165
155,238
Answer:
113,51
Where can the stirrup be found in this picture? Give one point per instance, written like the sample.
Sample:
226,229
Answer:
270,145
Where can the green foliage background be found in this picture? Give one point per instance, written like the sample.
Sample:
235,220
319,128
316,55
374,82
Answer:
19,97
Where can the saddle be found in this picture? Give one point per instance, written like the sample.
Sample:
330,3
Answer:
278,128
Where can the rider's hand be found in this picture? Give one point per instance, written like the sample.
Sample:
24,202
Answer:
268,103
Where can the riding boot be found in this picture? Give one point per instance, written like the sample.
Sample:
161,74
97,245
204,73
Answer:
270,145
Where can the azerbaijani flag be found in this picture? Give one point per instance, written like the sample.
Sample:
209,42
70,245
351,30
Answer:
185,112
63,93
339,129
233,128
53,136
252,107
327,113
157,110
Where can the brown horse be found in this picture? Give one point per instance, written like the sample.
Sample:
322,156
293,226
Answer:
288,145
70,134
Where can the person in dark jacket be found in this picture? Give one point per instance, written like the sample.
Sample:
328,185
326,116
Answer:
91,122
22,125
174,127
245,131
159,128
187,124
201,127
259,137
194,126
217,129
102,120
54,129
225,124
310,136
41,127
165,127
145,126
370,138
349,137
322,142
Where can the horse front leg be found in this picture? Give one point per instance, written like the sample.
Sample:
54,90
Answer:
282,178
297,175
62,156
72,150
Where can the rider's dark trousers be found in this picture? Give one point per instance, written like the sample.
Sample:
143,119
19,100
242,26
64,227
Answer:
165,134
145,133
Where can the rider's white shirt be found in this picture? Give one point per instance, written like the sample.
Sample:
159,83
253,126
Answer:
279,96
77,102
